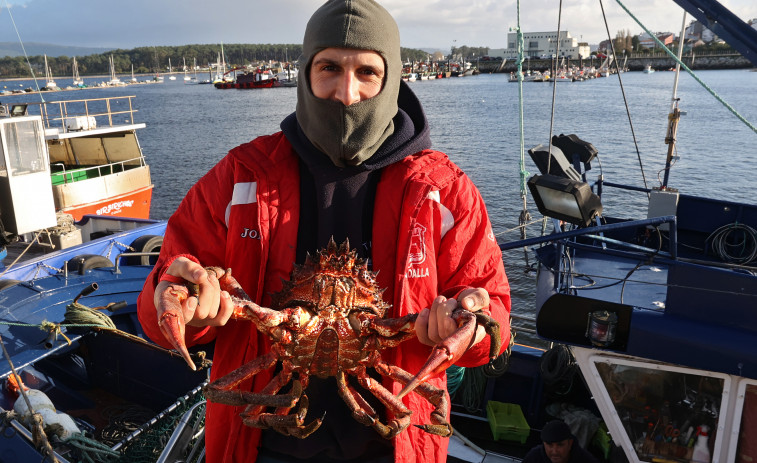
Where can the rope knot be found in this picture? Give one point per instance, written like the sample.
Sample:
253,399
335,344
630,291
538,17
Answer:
53,330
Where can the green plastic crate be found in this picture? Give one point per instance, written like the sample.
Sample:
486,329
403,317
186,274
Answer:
602,440
507,422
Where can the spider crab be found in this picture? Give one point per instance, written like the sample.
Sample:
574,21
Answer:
328,320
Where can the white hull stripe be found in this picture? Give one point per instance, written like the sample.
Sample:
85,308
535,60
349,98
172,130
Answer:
447,220
244,193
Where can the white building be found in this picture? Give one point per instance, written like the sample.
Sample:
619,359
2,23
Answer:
544,45
697,31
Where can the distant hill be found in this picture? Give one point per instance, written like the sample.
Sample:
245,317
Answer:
34,48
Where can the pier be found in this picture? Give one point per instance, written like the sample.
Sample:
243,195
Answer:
634,62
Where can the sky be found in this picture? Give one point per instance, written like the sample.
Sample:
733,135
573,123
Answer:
424,24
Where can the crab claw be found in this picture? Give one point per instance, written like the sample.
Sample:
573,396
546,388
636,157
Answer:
446,352
171,319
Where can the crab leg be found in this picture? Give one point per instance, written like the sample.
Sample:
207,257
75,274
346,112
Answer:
171,319
434,395
451,349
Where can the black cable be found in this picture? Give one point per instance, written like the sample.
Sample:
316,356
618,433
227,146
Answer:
623,92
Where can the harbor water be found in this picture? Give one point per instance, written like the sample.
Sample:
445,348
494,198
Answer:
475,120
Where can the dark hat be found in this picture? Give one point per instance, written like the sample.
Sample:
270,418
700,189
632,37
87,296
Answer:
555,431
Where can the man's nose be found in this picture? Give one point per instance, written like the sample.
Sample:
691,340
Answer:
348,90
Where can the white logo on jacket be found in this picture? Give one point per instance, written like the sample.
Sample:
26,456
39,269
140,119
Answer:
417,254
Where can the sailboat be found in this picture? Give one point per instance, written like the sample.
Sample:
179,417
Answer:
170,71
219,70
49,82
77,81
114,80
186,77
133,79
190,79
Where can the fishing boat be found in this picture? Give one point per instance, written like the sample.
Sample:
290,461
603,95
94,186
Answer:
246,79
105,393
67,159
656,309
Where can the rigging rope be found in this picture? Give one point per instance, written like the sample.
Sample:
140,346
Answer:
26,56
691,73
623,92
524,217
554,88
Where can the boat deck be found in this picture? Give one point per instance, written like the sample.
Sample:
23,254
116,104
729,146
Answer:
634,280
22,251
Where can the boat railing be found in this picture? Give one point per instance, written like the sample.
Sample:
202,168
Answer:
105,112
102,170
525,325
596,233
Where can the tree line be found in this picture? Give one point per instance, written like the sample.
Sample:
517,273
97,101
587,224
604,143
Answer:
155,59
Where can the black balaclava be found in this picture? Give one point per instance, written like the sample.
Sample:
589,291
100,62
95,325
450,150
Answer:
349,135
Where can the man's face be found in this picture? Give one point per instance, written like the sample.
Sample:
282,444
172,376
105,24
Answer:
346,75
558,452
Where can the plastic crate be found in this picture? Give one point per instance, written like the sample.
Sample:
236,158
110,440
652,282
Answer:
602,440
507,422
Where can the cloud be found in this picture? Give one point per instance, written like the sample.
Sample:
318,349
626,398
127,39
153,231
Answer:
423,23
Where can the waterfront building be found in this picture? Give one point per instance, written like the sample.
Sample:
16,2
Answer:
698,31
647,41
544,45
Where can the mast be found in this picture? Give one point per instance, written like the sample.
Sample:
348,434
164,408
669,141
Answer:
675,114
223,62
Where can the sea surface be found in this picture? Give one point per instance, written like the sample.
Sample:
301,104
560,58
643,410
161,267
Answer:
475,120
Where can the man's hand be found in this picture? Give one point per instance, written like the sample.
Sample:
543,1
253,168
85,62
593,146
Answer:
212,307
435,324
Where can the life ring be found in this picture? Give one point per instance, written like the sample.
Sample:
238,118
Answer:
7,283
145,243
85,262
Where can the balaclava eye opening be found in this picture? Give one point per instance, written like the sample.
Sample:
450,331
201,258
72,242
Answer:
349,135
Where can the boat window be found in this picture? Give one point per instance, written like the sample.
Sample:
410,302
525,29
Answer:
25,152
668,413
746,450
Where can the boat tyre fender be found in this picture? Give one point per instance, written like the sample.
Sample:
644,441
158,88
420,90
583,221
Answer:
145,243
85,262
7,283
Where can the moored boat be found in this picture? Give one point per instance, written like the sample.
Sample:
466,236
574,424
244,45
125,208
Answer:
244,79
95,165
655,310
65,160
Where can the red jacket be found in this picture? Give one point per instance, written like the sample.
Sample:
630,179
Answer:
431,235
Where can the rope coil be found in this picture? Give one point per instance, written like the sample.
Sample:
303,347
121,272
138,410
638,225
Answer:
734,243
558,368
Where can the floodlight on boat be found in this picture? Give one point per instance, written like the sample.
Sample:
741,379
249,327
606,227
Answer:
565,199
19,110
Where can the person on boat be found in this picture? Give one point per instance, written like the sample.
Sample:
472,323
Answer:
354,161
558,446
